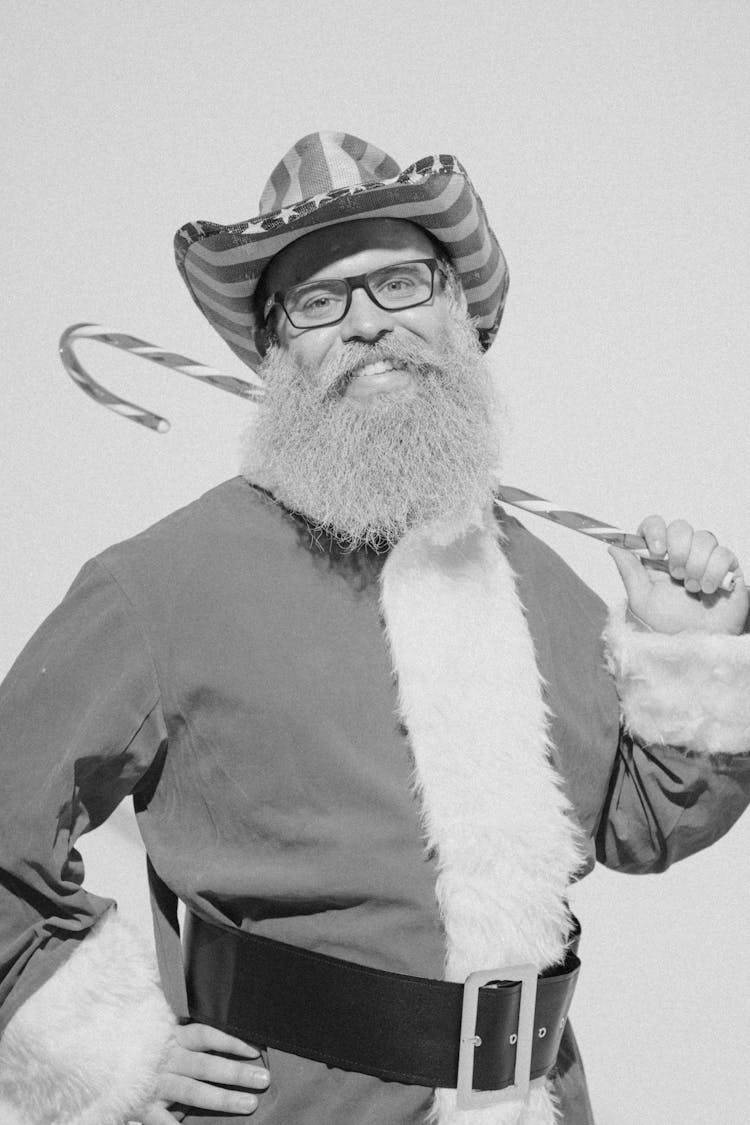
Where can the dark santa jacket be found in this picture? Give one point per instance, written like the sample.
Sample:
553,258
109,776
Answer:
399,760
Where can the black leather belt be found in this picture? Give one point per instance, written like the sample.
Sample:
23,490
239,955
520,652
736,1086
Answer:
400,1028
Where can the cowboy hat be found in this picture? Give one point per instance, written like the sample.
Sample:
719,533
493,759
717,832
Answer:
330,178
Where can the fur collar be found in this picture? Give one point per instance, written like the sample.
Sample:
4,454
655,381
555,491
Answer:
471,698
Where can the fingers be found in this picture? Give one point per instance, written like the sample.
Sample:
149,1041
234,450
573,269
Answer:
201,1037
654,531
721,562
687,547
694,557
214,1068
194,1076
200,1095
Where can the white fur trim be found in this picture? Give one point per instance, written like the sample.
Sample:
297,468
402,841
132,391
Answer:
86,1047
682,689
470,696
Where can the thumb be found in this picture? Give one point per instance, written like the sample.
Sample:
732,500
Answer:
634,577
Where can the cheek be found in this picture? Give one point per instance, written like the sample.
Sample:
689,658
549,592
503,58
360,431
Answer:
426,321
309,349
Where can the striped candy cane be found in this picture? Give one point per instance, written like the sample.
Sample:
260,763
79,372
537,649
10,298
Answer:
586,525
132,344
576,521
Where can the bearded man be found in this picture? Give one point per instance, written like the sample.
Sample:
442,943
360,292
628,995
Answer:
368,721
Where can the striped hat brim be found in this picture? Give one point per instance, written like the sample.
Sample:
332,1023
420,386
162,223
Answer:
222,265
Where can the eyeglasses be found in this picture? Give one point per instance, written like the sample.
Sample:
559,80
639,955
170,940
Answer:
315,304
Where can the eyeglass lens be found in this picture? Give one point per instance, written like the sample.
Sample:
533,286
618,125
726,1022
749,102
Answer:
391,287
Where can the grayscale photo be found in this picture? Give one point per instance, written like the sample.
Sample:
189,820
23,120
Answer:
375,660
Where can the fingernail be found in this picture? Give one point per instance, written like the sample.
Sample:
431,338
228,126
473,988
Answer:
692,586
678,572
262,1079
248,1104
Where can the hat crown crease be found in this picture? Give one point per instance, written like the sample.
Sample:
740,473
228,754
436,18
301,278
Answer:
323,162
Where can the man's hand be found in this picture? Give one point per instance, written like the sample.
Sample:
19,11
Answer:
689,596
193,1076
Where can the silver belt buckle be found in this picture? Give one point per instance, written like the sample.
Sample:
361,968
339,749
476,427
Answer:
466,1096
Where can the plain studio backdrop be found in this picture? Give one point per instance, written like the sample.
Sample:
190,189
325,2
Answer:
609,143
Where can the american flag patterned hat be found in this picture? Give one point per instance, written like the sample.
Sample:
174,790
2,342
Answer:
328,178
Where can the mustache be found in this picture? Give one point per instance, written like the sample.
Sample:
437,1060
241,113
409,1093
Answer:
366,476
339,367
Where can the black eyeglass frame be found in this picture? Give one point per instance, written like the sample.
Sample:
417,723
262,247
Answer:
358,281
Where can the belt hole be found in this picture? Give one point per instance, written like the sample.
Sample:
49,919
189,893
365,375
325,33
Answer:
542,1032
513,1039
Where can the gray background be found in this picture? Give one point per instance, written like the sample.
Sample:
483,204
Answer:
609,143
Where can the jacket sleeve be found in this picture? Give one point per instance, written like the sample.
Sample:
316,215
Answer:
82,1018
682,771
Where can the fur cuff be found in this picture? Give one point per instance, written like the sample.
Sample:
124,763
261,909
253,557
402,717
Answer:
86,1047
682,689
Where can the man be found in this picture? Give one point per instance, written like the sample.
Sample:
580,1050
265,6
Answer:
364,715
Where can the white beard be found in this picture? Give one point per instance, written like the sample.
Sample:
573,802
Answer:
368,473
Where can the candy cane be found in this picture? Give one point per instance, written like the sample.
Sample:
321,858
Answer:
586,525
576,521
142,348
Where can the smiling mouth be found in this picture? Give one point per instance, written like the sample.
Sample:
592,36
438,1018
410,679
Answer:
378,378
380,367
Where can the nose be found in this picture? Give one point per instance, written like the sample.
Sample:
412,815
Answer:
365,321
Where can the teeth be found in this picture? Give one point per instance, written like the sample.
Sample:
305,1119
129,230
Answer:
378,368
